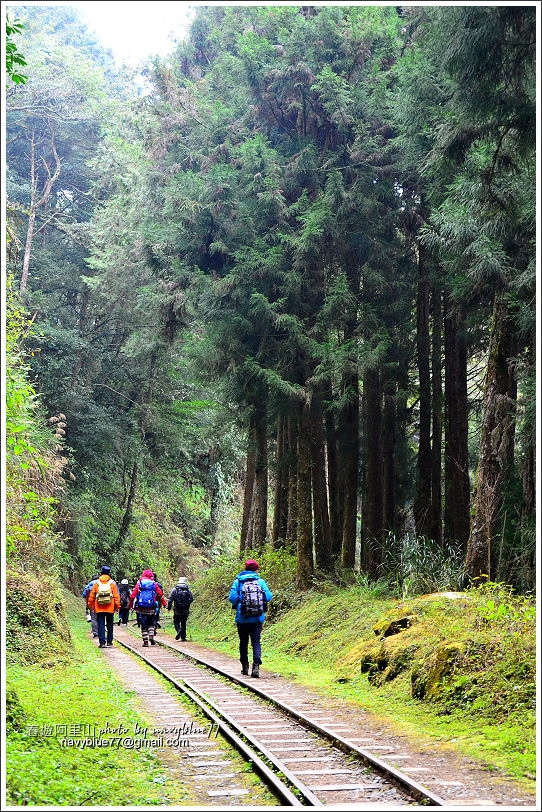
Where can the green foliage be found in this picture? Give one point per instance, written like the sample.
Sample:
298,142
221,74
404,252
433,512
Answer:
418,565
14,59
253,234
36,627
513,612
33,465
15,715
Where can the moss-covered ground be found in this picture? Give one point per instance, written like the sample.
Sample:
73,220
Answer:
452,668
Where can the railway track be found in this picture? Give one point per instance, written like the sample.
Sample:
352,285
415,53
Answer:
303,760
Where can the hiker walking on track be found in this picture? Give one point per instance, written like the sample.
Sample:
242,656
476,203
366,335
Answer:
145,597
180,598
104,599
124,611
249,595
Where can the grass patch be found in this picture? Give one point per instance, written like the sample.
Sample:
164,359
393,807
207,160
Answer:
79,690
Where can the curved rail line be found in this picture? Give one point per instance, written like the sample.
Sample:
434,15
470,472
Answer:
290,788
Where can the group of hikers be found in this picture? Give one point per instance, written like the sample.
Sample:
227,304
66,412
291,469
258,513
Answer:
103,598
249,596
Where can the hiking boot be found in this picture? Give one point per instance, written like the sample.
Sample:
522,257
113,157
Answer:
101,645
109,644
153,641
178,636
145,642
244,670
255,670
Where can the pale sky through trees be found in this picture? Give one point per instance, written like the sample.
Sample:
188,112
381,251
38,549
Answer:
135,30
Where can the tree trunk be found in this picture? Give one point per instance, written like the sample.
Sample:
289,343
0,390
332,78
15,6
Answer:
389,462
293,434
373,501
249,484
528,467
422,504
456,451
305,561
322,530
435,527
496,445
334,487
77,367
127,517
283,462
348,453
259,500
36,202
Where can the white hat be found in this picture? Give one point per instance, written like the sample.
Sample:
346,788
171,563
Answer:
182,581
124,581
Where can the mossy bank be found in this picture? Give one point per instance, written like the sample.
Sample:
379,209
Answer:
453,668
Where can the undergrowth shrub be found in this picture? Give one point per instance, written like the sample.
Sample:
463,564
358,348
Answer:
36,629
419,565
36,625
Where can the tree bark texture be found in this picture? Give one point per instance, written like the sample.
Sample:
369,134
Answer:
435,526
259,499
422,504
37,201
322,529
334,487
282,476
373,491
127,516
456,451
496,445
249,485
348,457
305,561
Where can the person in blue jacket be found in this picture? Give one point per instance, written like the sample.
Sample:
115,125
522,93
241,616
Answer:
250,604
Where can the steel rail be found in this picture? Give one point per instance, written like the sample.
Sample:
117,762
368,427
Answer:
416,790
225,724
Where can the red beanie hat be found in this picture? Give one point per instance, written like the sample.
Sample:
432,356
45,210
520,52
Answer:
252,565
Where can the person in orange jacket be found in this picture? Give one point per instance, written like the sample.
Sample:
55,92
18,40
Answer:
104,599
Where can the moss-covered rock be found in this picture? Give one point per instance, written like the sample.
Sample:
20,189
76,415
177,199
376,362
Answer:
428,675
388,626
387,660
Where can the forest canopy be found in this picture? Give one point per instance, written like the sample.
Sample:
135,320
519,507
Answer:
283,295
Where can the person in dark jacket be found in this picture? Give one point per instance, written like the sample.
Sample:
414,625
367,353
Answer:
147,584
124,611
180,598
249,627
157,616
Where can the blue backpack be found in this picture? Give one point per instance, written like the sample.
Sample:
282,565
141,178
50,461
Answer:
146,598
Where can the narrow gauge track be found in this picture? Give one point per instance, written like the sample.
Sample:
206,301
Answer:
280,739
